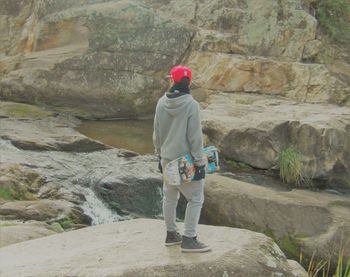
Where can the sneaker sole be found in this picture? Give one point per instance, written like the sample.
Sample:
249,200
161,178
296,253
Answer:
173,243
201,250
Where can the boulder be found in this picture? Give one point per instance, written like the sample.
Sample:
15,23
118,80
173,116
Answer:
131,194
136,247
15,232
255,129
32,128
298,220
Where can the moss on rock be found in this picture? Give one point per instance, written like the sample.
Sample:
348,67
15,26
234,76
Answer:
10,109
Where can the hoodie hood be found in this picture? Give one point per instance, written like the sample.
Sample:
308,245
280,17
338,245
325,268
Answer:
176,105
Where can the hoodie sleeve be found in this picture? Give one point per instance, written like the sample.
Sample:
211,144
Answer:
156,141
195,136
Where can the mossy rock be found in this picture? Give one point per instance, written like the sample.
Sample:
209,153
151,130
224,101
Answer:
18,110
17,183
290,246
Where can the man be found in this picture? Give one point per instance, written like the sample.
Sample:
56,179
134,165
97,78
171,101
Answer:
178,131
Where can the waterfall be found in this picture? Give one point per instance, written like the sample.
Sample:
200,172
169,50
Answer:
97,210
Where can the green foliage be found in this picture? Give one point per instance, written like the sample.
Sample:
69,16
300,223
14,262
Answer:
289,160
6,194
334,19
12,194
67,223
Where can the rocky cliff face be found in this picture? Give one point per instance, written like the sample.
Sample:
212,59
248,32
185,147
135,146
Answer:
98,58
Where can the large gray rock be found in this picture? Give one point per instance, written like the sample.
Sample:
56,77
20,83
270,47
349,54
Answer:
298,220
135,248
254,129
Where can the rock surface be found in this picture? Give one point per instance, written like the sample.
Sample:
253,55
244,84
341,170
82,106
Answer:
39,129
254,129
19,183
297,219
40,210
311,83
136,247
14,232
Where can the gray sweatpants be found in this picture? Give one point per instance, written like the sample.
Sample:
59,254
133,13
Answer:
194,193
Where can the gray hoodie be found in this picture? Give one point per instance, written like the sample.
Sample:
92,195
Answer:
177,128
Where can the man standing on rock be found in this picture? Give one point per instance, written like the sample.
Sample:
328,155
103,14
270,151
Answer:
178,131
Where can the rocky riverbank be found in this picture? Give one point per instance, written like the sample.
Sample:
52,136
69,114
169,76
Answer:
54,177
50,190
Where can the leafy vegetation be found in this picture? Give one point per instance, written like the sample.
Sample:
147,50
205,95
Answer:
334,19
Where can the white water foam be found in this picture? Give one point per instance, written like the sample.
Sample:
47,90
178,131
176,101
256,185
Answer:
97,210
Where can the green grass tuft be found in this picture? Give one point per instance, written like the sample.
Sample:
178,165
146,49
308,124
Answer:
289,160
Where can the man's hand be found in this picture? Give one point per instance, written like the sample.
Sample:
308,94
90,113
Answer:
199,173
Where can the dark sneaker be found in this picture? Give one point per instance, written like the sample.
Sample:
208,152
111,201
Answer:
172,238
192,245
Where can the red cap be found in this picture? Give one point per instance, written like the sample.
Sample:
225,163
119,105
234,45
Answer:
179,71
